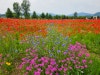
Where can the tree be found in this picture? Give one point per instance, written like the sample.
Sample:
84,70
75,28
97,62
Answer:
56,17
63,16
75,15
47,16
17,9
26,8
50,16
34,15
42,15
9,13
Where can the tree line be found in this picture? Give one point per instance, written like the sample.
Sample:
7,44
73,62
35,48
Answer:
22,11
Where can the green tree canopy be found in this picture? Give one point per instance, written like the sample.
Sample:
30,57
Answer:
42,15
17,9
9,13
26,8
34,15
75,15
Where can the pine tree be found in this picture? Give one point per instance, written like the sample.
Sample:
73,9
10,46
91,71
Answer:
35,16
42,15
75,15
47,16
9,13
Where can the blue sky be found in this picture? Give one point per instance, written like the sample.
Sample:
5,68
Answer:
56,6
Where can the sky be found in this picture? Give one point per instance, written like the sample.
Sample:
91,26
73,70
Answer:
56,6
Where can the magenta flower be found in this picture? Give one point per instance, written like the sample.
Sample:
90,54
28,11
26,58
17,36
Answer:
37,73
28,68
84,61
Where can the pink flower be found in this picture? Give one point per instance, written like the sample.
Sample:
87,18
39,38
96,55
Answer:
87,54
83,61
85,66
65,53
70,68
52,62
90,61
60,69
26,73
21,65
32,61
37,73
79,54
57,73
28,68
63,60
47,72
65,69
39,69
36,66
53,69
41,65
82,67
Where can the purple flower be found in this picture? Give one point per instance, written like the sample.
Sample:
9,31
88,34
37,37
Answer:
58,51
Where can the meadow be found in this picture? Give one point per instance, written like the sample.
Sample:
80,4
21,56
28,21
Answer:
49,47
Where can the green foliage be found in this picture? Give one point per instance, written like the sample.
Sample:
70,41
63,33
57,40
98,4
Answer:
17,9
10,44
26,8
35,16
94,69
42,15
75,15
91,40
63,17
47,16
9,13
56,17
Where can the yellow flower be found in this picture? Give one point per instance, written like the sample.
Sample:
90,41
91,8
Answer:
8,63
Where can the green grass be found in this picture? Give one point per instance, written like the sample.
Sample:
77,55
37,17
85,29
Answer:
92,41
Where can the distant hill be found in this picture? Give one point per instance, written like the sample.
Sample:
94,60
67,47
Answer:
2,15
96,14
86,14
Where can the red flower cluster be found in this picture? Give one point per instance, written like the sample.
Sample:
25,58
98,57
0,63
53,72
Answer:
39,27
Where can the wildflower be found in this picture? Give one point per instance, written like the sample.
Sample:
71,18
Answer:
28,68
58,51
83,61
90,61
36,73
8,63
0,55
26,73
85,66
87,54
47,72
63,44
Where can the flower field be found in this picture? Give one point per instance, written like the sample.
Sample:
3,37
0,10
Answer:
49,47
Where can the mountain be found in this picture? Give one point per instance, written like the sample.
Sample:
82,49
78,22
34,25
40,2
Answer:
2,15
96,14
86,14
